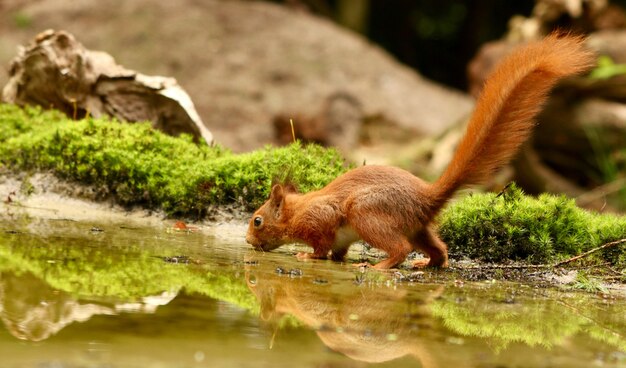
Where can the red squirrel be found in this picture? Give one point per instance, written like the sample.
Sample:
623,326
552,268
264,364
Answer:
391,209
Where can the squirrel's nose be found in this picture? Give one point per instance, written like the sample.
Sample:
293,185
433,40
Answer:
252,240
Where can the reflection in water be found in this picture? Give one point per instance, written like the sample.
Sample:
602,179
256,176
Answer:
32,310
54,274
368,324
547,318
147,304
439,326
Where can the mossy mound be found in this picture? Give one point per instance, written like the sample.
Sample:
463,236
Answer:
514,226
140,165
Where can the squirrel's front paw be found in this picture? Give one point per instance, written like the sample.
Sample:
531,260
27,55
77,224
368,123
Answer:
420,263
303,255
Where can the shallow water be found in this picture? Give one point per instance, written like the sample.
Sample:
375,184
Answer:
114,294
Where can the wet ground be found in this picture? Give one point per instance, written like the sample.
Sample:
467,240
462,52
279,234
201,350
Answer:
116,292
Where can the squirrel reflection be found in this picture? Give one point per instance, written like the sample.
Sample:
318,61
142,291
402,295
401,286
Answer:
369,324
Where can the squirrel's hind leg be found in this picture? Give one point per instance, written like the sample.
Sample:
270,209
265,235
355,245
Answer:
381,232
397,248
429,242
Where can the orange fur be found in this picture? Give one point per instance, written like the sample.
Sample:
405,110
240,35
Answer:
390,208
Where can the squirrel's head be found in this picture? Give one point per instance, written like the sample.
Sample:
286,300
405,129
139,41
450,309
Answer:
268,228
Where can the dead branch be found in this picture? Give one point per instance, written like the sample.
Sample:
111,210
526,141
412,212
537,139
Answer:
607,245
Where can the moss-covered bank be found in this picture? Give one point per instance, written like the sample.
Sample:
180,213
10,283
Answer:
139,165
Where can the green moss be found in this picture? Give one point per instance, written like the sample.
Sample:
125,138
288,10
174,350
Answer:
140,165
607,68
514,226
588,283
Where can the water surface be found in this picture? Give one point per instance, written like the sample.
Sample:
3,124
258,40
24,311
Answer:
116,294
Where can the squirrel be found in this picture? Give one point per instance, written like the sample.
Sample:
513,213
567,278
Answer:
393,210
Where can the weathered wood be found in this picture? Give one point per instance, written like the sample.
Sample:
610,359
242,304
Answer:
56,71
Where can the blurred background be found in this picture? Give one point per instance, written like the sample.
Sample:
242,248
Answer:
388,82
438,38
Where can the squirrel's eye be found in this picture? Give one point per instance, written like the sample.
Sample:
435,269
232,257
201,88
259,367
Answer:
258,221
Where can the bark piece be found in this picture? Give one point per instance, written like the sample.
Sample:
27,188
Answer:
56,71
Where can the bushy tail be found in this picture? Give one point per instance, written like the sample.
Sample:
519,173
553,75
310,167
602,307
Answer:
505,111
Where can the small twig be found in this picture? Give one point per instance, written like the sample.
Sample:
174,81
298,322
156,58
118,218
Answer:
604,266
74,114
293,131
504,267
595,322
616,272
601,191
273,337
611,244
506,187
555,265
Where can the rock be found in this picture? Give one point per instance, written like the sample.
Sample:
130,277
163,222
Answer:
611,43
247,62
55,70
337,123
578,16
488,56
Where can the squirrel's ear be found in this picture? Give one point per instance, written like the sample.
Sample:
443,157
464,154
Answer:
277,193
276,198
290,188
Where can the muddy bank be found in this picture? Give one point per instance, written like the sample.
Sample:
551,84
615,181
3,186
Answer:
43,195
